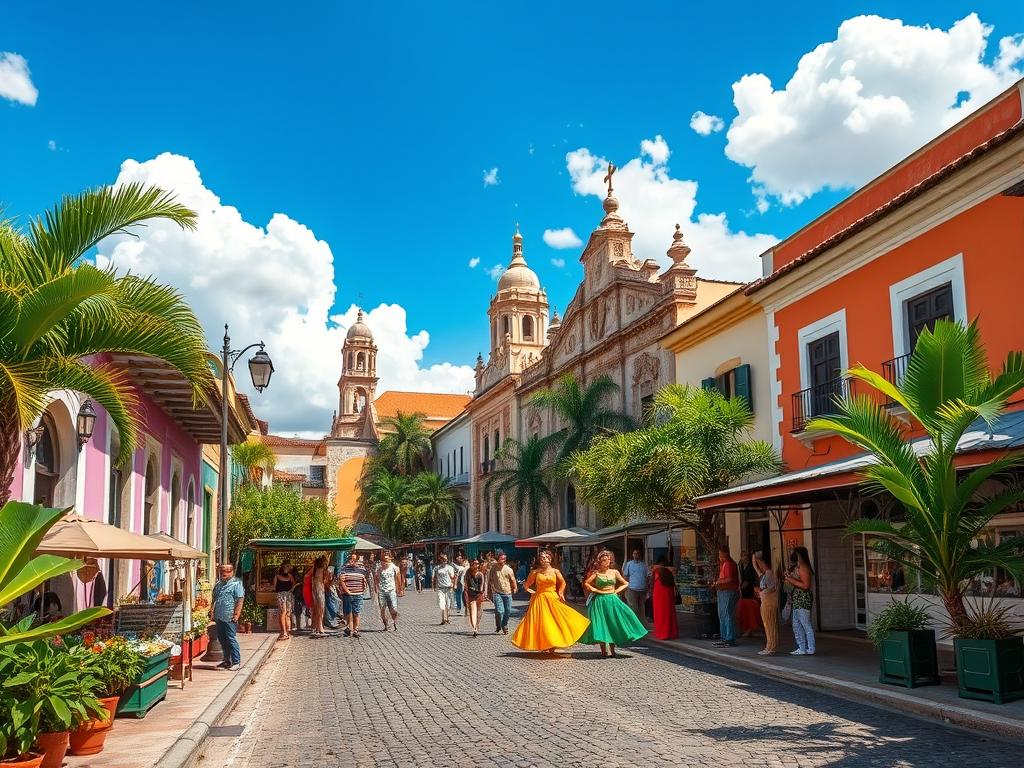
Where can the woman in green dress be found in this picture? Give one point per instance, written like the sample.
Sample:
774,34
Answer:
612,622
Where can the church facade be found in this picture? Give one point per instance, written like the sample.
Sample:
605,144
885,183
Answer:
611,327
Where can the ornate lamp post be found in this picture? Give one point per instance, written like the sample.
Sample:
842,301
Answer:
85,423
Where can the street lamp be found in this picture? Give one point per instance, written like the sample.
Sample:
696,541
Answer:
85,423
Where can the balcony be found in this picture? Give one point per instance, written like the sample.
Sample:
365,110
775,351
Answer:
486,467
895,370
460,479
819,400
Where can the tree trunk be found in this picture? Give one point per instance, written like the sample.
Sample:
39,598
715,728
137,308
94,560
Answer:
954,603
10,445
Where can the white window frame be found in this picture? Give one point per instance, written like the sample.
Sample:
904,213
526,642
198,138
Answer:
949,271
817,330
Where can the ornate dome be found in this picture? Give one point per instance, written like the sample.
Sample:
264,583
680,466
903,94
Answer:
518,275
359,329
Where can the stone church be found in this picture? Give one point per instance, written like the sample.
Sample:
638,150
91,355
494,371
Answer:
610,327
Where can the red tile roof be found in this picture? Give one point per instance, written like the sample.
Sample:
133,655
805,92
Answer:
280,476
439,408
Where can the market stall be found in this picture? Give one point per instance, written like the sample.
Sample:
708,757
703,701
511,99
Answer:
263,557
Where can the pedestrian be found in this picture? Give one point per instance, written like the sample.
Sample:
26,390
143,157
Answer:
228,596
284,582
299,598
458,591
353,585
444,585
800,578
549,623
611,621
728,588
636,574
748,610
420,573
501,585
475,588
390,586
663,598
768,592
318,589
332,605
407,571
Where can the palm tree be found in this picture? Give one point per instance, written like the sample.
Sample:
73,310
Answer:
435,502
58,313
254,458
696,443
521,473
406,445
946,388
388,503
583,410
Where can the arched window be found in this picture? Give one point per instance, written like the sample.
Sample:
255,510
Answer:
570,506
150,496
528,328
361,361
349,361
190,514
506,326
175,505
47,462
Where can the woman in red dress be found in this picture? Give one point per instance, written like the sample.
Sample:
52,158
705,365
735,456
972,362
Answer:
663,595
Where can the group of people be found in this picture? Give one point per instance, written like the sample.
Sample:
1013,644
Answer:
789,600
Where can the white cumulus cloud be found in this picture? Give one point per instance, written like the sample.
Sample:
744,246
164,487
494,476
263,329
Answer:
474,262
274,283
860,103
562,238
491,177
16,80
706,124
558,262
51,145
496,271
652,202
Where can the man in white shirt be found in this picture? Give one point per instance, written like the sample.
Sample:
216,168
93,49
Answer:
636,574
390,585
460,584
444,585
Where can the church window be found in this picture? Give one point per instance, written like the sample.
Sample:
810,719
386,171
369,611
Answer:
505,326
528,328
361,361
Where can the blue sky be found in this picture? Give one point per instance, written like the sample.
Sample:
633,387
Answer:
374,125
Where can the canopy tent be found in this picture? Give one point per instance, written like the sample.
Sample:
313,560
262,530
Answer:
179,549
75,536
305,545
633,528
488,537
561,536
364,545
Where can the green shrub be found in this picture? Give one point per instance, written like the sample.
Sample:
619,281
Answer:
987,622
898,616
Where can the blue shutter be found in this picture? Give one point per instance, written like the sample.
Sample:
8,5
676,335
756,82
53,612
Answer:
708,383
743,387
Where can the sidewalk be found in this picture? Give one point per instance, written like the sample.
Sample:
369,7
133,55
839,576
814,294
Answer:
845,665
137,743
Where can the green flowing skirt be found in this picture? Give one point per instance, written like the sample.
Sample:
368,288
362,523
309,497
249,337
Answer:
612,621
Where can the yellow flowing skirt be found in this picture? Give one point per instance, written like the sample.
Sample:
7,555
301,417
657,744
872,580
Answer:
549,623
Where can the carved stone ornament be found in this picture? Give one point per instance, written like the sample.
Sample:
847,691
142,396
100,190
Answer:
617,249
630,303
646,368
534,422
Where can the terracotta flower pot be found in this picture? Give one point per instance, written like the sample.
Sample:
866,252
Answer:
109,704
31,760
88,738
53,746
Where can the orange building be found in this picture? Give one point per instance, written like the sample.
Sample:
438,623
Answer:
940,235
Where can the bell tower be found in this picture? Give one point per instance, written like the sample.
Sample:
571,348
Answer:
357,386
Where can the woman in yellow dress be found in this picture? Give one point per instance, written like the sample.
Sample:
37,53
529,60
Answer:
549,623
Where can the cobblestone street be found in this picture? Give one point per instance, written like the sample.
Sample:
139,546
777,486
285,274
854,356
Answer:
433,696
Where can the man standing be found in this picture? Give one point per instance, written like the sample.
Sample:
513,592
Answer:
390,585
353,585
501,585
636,574
444,585
728,589
460,581
228,596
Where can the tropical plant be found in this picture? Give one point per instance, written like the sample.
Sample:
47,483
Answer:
521,475
59,315
389,505
897,616
987,621
116,664
254,458
695,443
22,527
947,386
252,612
583,411
434,502
277,512
405,446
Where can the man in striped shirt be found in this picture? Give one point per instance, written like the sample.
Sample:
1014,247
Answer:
352,581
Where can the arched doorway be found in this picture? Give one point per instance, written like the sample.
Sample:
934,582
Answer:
570,506
190,514
175,512
47,463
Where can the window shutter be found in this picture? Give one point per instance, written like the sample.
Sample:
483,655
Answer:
743,388
708,383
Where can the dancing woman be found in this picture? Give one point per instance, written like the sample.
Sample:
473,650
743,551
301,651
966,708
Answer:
612,622
549,623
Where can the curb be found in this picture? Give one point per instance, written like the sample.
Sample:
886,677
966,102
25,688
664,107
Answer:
962,717
185,749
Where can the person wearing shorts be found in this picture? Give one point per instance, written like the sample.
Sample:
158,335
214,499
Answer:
389,588
444,585
353,585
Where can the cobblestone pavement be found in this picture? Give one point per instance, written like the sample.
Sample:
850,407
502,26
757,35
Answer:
434,696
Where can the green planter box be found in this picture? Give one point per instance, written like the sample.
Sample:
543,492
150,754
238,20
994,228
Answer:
990,670
150,688
909,659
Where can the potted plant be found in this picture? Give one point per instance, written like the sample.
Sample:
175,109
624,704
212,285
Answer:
116,665
149,686
906,645
989,655
18,733
252,615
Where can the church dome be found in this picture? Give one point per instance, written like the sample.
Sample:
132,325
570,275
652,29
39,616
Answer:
359,329
518,275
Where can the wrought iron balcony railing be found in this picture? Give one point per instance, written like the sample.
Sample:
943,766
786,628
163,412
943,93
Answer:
819,400
895,370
